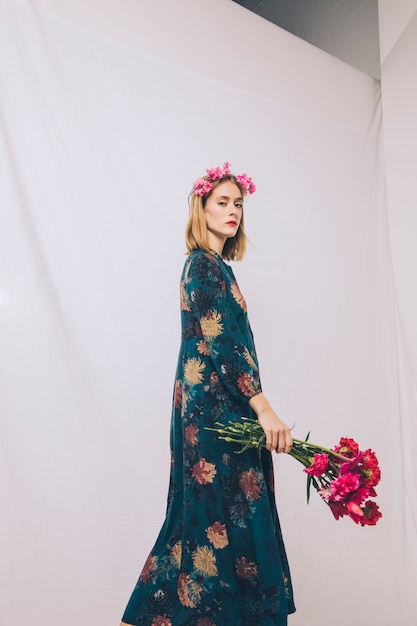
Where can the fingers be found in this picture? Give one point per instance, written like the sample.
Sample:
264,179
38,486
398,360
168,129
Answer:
284,443
271,440
277,434
287,442
279,440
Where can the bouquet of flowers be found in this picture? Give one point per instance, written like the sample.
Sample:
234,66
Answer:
344,477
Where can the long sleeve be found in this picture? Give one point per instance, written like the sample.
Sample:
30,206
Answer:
220,313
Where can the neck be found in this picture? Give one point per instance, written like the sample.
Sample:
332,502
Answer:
216,243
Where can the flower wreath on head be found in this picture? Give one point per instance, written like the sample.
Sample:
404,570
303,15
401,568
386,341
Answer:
205,184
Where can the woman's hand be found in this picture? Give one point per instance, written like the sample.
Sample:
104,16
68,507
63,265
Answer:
277,433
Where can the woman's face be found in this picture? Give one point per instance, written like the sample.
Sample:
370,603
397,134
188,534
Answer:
223,212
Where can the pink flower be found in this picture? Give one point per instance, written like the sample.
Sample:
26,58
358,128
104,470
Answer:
201,186
214,173
246,182
319,465
205,184
343,486
325,493
352,465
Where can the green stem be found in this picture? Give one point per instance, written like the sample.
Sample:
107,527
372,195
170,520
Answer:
249,433
323,449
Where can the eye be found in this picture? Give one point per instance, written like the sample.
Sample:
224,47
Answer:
239,205
221,203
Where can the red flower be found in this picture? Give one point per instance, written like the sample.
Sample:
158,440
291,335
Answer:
337,508
347,447
371,514
319,465
371,468
360,495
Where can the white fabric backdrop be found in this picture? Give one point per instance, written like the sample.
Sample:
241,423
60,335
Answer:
399,55
109,111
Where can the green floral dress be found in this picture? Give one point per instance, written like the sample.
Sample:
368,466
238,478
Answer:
219,558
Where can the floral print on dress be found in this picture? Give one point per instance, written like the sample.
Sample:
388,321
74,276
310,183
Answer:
217,535
236,293
203,472
219,558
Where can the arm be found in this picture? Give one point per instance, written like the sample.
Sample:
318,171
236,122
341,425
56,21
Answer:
237,369
230,350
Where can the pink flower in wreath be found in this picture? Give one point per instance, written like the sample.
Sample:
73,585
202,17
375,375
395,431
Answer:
247,183
201,186
214,173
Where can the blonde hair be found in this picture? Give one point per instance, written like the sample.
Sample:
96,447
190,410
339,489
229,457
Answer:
196,230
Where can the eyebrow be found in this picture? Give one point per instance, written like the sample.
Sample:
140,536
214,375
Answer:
228,198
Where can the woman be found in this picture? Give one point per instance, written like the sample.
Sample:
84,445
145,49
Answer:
219,558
